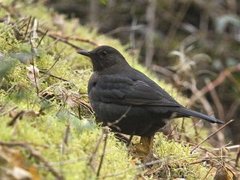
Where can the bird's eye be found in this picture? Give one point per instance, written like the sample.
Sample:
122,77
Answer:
104,53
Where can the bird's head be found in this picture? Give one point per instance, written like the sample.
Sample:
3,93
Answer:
104,57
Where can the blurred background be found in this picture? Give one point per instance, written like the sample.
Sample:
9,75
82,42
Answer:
195,45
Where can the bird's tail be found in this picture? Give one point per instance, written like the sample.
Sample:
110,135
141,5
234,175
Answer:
188,112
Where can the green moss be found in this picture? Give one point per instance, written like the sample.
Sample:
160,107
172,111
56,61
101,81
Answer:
179,159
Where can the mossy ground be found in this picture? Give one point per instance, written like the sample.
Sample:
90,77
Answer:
51,109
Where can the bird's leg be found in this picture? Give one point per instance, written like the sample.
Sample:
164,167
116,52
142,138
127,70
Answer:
130,140
144,148
147,144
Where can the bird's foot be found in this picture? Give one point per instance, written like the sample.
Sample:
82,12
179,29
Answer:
143,150
141,154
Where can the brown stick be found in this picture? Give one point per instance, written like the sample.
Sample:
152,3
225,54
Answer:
213,84
51,75
105,132
95,150
237,158
15,118
65,39
219,129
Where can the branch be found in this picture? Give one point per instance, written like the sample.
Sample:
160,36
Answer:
219,129
35,154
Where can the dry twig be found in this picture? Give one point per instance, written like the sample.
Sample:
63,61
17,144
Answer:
213,84
219,129
93,156
105,132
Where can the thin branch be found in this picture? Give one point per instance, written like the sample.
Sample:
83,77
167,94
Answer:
65,137
34,50
177,22
15,118
125,29
232,109
60,39
216,101
208,173
150,32
43,36
113,124
51,75
65,39
219,129
74,38
237,157
105,132
28,25
228,147
92,157
213,84
35,154
55,62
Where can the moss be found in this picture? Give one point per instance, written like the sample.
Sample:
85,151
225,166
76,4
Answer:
179,159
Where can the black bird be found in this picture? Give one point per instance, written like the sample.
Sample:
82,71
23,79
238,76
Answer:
128,101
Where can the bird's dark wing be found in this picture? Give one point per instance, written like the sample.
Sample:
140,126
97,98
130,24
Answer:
140,93
124,90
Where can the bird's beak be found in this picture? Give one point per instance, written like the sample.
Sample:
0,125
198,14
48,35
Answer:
84,52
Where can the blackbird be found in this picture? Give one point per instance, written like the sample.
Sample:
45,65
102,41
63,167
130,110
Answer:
128,101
